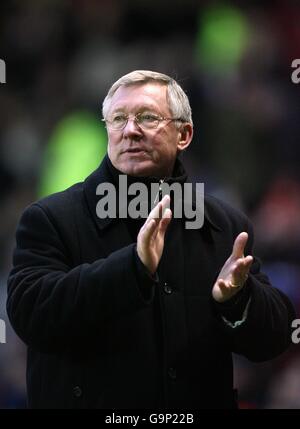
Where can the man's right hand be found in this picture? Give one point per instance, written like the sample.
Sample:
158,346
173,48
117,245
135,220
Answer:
150,240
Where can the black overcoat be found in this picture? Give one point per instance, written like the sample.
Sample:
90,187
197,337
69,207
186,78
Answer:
102,334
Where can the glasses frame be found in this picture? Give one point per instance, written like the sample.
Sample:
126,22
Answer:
135,118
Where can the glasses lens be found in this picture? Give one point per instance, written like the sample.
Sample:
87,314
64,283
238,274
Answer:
144,120
117,122
148,120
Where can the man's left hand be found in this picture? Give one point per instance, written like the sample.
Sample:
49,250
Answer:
235,271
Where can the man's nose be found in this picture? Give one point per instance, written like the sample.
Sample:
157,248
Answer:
132,128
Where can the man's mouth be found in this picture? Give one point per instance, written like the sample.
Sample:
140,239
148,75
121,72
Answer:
135,150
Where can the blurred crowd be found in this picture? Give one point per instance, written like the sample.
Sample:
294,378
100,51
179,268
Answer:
232,58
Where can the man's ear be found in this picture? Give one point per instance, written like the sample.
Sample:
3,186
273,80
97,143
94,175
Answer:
185,136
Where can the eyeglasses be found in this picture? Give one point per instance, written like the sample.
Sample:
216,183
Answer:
147,121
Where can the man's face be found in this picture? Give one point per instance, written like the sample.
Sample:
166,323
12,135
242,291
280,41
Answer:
134,150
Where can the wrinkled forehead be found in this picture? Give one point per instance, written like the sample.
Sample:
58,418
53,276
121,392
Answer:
136,97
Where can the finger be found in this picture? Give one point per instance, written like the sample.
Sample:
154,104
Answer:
239,245
165,203
241,270
148,231
223,285
163,224
158,210
248,261
167,216
243,264
155,212
227,286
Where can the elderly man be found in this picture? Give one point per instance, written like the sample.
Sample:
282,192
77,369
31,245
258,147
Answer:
119,312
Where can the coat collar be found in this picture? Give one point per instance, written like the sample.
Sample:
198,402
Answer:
103,174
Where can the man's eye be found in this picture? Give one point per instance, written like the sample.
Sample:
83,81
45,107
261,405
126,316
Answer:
119,118
147,117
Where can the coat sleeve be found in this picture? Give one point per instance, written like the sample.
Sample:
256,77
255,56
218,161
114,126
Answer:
53,305
266,332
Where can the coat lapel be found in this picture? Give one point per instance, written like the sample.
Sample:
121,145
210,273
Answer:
114,231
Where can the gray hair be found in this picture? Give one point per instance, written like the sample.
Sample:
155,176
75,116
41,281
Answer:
178,101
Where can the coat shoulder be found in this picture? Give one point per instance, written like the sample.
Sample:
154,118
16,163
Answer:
62,203
223,214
